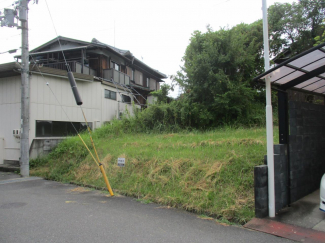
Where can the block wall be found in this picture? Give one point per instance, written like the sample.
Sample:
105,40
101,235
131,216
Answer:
306,148
280,179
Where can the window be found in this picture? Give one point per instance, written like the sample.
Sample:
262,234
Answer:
148,81
126,99
116,66
132,78
59,128
109,94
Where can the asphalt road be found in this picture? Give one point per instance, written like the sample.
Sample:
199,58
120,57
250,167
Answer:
36,210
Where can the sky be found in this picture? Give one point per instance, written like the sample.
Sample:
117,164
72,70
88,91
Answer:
155,31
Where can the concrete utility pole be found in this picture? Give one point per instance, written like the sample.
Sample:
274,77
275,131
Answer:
8,20
24,133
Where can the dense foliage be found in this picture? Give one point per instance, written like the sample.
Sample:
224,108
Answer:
294,27
219,66
218,71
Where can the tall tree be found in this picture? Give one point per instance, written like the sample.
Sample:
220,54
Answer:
218,70
293,27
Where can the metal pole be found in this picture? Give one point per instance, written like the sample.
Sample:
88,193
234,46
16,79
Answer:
269,115
24,133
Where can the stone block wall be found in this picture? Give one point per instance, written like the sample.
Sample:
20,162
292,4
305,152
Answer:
280,179
306,148
281,176
261,191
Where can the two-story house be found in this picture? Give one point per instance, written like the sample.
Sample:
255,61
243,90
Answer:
110,80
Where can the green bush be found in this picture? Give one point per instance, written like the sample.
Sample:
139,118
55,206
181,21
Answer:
33,163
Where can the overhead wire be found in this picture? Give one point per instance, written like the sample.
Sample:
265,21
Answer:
7,37
68,67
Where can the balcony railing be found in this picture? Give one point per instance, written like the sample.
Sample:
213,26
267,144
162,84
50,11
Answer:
117,76
74,66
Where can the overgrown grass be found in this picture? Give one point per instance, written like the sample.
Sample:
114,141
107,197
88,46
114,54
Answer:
208,173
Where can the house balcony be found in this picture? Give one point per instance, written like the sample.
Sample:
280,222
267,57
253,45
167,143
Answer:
74,66
138,86
117,76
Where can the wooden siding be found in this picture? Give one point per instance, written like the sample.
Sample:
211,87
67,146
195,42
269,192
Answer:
138,77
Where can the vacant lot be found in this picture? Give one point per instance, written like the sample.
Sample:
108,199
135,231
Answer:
210,173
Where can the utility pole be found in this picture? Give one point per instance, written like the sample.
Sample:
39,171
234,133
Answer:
8,20
24,133
269,116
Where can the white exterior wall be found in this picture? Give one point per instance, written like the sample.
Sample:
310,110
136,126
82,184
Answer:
44,106
151,99
111,108
9,118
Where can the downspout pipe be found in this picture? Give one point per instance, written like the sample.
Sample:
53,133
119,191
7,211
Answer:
269,116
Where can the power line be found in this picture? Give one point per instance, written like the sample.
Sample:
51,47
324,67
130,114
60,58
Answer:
9,37
10,51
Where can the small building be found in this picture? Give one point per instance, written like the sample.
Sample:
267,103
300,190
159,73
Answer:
110,81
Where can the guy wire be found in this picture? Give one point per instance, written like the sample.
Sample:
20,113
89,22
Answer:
69,70
68,67
48,85
89,131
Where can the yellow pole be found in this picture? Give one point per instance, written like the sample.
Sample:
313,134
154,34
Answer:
106,180
101,168
98,163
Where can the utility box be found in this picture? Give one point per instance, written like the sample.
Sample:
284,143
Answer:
9,19
23,7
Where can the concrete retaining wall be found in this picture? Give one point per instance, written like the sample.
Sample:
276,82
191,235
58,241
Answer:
43,146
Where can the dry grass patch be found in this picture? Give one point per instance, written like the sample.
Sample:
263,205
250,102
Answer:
215,168
168,135
40,171
82,171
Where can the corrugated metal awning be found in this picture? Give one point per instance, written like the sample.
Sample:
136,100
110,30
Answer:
304,72
8,69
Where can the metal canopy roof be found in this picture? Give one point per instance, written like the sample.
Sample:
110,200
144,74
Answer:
305,72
